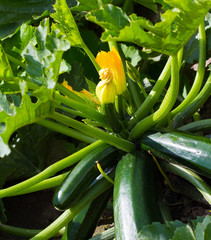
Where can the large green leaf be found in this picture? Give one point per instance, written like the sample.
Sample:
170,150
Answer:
33,107
84,5
43,56
15,12
176,27
198,229
66,23
5,69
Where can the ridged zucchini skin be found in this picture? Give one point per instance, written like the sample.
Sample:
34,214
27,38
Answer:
83,225
180,147
85,172
135,203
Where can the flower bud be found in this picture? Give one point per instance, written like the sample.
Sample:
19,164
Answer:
106,88
112,61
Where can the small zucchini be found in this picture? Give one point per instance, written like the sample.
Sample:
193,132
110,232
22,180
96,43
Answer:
135,203
180,147
83,225
85,172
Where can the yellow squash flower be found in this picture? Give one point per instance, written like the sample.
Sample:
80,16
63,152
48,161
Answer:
106,88
112,61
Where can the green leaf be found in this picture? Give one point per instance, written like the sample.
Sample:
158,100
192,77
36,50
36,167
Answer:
84,5
164,5
32,108
200,226
131,53
198,229
5,69
110,18
66,23
158,231
43,56
207,234
15,12
148,3
184,233
176,27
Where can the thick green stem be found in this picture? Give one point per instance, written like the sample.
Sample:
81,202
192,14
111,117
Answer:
108,234
23,232
45,184
83,108
190,176
16,61
57,127
165,106
199,75
68,93
51,170
120,106
196,104
95,132
155,93
201,125
69,214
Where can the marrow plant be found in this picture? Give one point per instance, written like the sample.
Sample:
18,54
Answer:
122,103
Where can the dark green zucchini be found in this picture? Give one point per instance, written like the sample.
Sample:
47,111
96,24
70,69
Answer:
85,172
180,147
83,225
135,203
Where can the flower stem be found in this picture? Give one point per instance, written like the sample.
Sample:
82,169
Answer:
199,75
165,106
95,132
83,108
190,176
23,232
68,93
50,171
65,130
201,125
196,104
45,184
155,93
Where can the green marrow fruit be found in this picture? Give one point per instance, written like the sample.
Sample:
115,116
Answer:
180,147
83,225
134,198
84,173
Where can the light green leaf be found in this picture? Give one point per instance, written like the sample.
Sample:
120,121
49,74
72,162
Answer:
43,56
5,69
28,112
158,231
201,226
176,27
110,17
131,53
84,5
207,234
184,233
15,12
66,23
